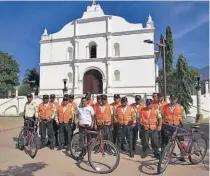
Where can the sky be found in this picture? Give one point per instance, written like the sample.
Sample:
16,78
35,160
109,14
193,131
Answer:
22,24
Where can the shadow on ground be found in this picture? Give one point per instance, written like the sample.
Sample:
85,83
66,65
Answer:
24,170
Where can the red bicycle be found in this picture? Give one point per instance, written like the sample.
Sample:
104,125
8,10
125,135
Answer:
97,148
28,138
190,149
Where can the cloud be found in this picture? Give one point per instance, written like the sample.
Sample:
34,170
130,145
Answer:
201,20
178,9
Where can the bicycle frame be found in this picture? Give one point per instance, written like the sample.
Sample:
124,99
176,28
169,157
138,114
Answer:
176,140
99,137
29,130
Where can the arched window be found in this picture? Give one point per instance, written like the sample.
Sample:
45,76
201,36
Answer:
117,75
70,77
117,49
70,53
93,49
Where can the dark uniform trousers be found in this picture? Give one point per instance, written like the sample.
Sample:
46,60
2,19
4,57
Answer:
166,135
55,129
124,131
135,136
114,133
107,132
153,136
65,128
47,125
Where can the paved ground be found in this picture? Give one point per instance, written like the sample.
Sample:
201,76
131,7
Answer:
14,162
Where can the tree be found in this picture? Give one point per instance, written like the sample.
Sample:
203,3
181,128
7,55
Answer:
24,90
169,47
184,79
9,70
32,78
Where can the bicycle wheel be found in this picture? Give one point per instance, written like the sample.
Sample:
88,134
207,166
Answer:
110,152
165,157
21,139
76,149
195,150
33,147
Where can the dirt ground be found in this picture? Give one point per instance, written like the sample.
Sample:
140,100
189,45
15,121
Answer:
14,162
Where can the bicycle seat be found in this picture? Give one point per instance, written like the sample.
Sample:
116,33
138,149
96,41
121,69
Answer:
196,127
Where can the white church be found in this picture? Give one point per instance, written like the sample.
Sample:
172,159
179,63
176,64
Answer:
99,53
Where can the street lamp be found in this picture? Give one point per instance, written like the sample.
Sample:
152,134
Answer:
65,89
198,89
161,45
33,85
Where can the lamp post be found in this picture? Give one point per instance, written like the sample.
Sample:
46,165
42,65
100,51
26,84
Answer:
198,89
33,85
65,89
161,45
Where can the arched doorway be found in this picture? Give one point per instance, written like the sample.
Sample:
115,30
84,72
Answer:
92,82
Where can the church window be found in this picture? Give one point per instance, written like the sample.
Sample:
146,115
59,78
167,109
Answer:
70,77
93,50
117,75
117,49
70,53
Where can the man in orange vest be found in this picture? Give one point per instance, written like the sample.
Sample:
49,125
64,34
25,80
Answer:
90,101
71,102
46,116
55,120
99,100
114,105
173,114
155,100
161,102
126,120
65,115
104,118
137,107
151,120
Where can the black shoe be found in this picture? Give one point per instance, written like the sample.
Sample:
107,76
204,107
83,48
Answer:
144,154
182,159
48,143
131,155
157,155
61,147
42,146
51,147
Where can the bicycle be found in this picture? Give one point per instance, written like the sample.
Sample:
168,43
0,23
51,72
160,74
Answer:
186,148
28,137
82,144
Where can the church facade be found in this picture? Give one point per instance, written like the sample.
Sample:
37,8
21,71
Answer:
99,53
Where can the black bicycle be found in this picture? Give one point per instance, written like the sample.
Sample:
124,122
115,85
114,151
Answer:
28,138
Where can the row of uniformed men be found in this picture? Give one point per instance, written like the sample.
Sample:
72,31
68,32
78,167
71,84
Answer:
119,120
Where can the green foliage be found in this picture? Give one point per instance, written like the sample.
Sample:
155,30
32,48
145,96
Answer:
169,47
184,77
32,78
24,90
9,70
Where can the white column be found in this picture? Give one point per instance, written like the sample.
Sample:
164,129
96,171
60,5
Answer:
87,52
109,77
109,45
76,49
76,69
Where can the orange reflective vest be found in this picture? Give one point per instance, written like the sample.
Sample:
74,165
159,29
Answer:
56,105
64,116
155,104
162,106
45,112
91,103
173,118
149,121
102,118
124,118
73,104
137,110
